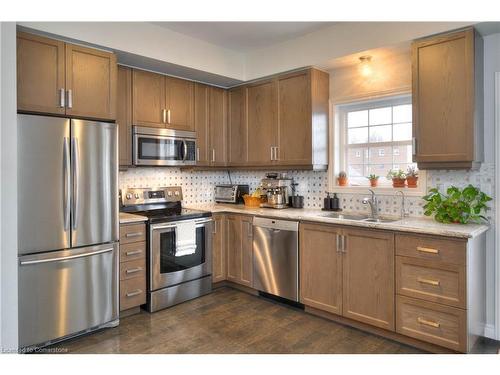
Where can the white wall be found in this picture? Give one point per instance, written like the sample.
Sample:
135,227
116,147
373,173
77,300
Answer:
8,189
152,41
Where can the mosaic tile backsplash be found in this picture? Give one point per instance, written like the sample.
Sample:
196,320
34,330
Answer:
198,186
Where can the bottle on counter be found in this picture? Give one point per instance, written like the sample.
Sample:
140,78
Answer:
327,202
335,202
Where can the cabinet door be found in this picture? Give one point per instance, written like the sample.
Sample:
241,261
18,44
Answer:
148,99
246,250
233,250
90,82
179,95
219,249
217,125
368,277
261,122
124,115
320,267
40,74
237,127
294,126
201,124
443,98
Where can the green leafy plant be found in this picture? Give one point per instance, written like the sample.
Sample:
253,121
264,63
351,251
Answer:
342,175
457,205
396,174
373,177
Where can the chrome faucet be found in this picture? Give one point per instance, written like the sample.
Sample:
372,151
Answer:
403,212
373,203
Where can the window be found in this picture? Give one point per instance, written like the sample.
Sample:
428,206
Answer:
379,135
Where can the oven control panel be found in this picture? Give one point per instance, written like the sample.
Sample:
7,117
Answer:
135,196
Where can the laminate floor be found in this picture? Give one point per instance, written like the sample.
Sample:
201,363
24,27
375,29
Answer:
230,321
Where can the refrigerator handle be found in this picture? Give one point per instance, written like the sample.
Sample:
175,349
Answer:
56,259
76,173
67,184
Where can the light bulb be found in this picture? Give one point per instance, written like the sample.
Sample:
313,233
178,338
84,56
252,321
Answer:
366,68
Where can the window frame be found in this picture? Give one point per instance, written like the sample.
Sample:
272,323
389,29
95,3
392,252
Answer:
338,139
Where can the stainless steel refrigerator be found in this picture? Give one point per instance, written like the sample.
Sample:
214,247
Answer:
68,227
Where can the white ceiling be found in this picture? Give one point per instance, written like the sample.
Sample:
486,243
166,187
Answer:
244,36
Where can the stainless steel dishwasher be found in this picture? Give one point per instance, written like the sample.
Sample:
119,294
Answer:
276,257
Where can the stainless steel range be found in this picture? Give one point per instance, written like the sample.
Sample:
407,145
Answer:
179,256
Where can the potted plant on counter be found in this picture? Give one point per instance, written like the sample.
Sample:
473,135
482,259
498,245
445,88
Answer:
398,178
463,206
373,178
342,179
412,176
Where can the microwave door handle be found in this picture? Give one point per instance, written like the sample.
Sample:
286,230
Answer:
185,149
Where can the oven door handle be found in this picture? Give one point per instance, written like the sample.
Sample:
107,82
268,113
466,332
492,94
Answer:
174,224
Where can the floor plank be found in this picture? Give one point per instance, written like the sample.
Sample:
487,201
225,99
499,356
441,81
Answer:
230,321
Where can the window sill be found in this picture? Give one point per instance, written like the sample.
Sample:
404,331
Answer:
379,190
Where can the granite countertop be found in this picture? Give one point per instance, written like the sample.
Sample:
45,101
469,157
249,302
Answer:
126,218
411,225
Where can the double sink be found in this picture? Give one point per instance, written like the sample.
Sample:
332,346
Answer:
341,216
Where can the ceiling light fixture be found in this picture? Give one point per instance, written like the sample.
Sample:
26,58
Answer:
366,69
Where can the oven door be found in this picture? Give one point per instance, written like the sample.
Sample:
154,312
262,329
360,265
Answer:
160,150
167,269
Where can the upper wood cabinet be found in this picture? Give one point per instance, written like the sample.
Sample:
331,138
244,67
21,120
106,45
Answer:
124,115
321,267
217,115
368,277
239,250
201,124
60,78
40,74
148,99
162,101
280,121
447,100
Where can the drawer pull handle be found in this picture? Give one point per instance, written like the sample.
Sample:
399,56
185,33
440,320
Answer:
427,250
134,293
428,322
134,252
136,234
428,281
133,270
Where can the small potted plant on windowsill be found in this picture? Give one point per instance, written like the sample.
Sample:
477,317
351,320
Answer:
342,179
412,176
373,178
398,178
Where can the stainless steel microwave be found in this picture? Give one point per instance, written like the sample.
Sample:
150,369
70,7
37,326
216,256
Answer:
163,147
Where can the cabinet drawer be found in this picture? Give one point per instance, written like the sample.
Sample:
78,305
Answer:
132,293
432,248
431,322
132,251
132,233
133,269
431,281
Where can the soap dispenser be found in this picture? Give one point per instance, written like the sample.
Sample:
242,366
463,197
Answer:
335,202
327,202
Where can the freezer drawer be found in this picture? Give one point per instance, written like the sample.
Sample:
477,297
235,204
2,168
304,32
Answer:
65,292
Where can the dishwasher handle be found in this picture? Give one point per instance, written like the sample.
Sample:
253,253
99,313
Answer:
276,225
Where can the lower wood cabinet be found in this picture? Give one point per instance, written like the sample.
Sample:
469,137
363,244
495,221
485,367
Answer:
132,266
219,271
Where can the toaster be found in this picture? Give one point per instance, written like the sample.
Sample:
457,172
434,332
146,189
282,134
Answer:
230,193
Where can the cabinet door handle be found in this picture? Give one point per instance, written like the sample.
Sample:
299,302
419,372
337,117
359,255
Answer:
428,281
134,252
164,115
197,154
272,153
337,243
414,145
134,293
276,153
133,270
62,98
70,98
429,323
168,116
427,250
131,235
344,241
213,155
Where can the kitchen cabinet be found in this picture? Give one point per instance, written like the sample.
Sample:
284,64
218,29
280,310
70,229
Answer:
132,266
368,277
219,270
321,267
239,250
162,101
124,115
447,89
65,79
201,124
237,127
217,115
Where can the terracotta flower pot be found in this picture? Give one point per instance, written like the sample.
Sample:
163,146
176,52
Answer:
342,181
398,182
412,181
374,182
